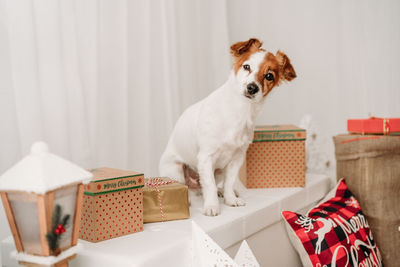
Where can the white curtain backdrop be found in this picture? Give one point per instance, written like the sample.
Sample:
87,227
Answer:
103,81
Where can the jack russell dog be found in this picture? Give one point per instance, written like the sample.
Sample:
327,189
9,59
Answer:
211,137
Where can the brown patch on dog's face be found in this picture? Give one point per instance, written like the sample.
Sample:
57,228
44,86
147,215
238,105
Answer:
273,70
257,71
241,51
268,68
287,69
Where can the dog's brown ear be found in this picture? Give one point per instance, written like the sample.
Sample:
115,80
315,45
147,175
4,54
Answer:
287,70
240,48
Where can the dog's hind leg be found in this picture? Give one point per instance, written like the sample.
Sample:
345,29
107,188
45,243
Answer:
172,168
219,180
221,192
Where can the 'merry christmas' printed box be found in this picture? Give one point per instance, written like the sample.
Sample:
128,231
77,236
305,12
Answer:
276,158
112,204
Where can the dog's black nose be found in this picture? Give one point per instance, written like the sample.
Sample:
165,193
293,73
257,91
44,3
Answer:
252,88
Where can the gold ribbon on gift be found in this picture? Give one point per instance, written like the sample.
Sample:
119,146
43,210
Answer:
385,125
164,199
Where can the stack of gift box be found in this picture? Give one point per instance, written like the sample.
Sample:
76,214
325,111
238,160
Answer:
118,202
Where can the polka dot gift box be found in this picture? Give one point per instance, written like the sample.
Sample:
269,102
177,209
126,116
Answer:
112,204
276,158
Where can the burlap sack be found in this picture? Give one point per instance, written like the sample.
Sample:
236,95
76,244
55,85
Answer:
371,166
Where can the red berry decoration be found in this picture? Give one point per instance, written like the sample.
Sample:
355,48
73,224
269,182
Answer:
60,229
59,222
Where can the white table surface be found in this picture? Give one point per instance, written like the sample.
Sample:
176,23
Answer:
169,243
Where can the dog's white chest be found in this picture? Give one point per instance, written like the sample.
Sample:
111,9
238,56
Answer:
236,138
232,141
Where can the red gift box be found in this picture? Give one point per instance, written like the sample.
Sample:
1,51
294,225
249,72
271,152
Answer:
374,125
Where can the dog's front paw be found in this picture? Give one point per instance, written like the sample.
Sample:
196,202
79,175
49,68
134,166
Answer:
211,210
234,201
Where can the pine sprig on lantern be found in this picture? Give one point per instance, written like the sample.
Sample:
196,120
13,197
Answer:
58,225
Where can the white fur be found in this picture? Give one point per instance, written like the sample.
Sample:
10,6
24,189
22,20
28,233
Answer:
215,134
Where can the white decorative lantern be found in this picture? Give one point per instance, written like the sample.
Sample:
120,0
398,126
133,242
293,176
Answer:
31,191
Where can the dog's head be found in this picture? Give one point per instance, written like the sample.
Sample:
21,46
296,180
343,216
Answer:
257,70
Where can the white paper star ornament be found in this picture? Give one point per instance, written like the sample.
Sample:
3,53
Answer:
207,253
245,257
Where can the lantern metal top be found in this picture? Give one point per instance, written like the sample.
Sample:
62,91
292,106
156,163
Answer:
42,171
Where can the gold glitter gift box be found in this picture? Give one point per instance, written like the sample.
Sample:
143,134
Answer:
165,199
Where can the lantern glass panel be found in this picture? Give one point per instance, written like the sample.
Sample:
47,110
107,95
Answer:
24,207
66,198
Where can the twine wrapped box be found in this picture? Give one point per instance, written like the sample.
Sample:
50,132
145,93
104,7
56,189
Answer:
165,199
371,166
276,158
112,204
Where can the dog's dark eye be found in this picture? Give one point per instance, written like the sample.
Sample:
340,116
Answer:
246,67
269,76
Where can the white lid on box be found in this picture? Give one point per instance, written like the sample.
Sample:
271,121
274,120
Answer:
42,171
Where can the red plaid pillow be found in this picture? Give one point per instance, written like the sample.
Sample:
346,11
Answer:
335,233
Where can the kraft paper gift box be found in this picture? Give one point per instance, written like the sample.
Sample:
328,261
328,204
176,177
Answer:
276,158
112,204
165,199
